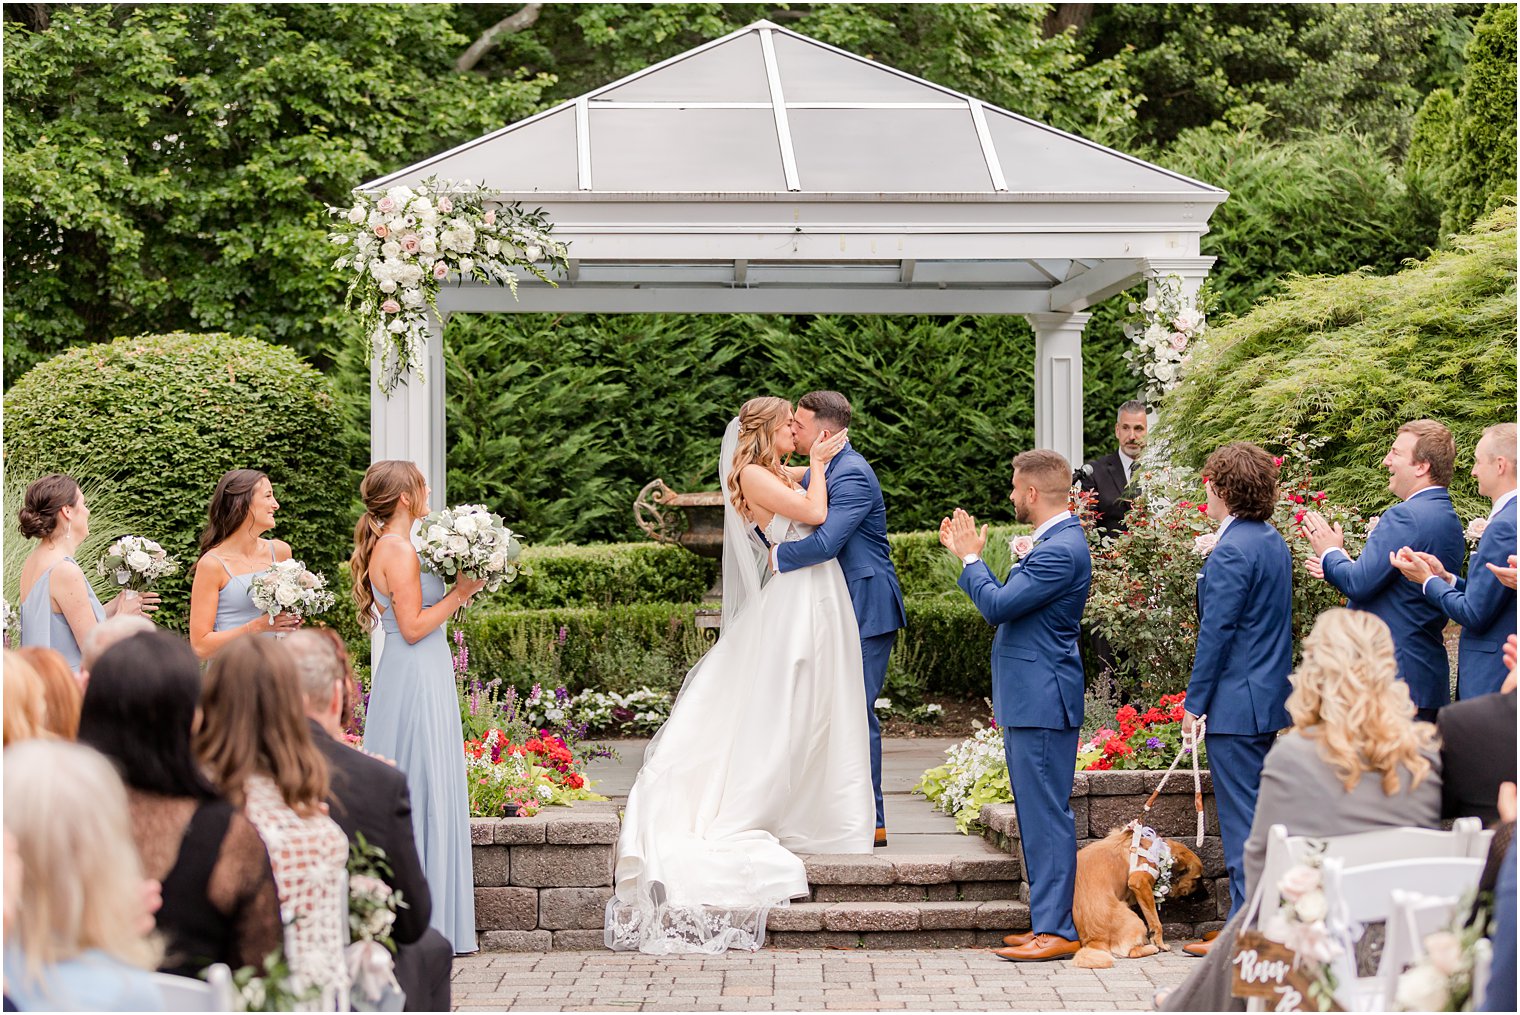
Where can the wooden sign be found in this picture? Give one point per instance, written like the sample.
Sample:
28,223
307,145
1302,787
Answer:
1263,968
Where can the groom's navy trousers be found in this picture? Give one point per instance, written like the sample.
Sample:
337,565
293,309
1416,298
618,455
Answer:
1037,702
855,532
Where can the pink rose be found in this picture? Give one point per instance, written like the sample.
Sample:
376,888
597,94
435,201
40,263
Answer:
385,204
390,307
1298,882
1372,523
1203,544
1179,341
490,216
410,243
1020,546
1476,528
445,205
381,231
440,270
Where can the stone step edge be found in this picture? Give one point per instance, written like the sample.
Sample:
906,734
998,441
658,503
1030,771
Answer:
876,917
913,869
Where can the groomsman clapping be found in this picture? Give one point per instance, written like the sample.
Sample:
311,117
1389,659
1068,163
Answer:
1419,465
1481,603
1036,684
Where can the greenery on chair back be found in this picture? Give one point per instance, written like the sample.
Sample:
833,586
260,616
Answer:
176,412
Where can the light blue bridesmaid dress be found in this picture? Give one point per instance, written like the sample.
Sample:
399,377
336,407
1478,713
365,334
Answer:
234,603
45,628
413,719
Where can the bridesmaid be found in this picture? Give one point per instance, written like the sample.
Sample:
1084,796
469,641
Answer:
413,714
232,550
58,607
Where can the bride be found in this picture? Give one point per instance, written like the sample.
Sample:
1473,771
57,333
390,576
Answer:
766,753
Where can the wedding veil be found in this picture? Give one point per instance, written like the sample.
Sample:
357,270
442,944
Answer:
744,555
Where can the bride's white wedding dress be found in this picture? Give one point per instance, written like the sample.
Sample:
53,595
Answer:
765,755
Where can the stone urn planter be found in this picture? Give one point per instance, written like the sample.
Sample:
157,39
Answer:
690,520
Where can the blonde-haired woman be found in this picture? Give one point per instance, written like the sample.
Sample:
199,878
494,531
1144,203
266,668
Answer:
766,753
77,939
25,700
1355,760
255,744
413,714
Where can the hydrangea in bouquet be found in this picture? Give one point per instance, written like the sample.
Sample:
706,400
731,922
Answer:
287,587
469,540
136,563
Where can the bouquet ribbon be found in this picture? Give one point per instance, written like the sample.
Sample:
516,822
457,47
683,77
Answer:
371,970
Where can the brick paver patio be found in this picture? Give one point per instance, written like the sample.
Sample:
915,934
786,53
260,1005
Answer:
778,980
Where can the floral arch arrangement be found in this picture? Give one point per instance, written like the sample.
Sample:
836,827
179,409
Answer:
404,244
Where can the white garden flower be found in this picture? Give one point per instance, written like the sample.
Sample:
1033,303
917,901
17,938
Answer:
390,249
493,247
1312,907
1444,950
429,245
465,525
356,214
466,265
533,252
1423,988
1299,880
387,285
137,560
412,297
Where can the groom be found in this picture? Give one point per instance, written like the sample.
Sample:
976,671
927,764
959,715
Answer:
856,533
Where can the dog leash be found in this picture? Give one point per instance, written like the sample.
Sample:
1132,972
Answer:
1190,742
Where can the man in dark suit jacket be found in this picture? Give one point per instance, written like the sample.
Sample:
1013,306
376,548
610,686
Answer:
1110,475
1245,641
856,533
1483,605
369,796
1036,684
1420,465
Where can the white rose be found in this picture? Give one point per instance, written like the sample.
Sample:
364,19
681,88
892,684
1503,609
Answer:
464,525
390,248
466,265
1445,952
1298,882
396,327
458,544
1166,372
493,247
534,252
412,297
123,576
387,285
287,595
137,560
356,214
1312,907
1422,989
436,534
429,245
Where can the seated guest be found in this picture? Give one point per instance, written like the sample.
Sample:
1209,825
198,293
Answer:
1481,603
1420,466
25,700
256,746
60,689
369,797
219,898
77,940
1478,750
1355,760
1501,977
105,634
1245,640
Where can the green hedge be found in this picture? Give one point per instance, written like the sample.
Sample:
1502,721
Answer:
159,418
944,650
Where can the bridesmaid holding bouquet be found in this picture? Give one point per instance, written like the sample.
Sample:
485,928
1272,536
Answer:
413,714
233,551
58,607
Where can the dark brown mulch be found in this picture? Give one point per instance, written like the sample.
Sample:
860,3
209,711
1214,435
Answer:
956,721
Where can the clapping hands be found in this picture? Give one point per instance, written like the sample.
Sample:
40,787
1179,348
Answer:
1506,575
1419,566
959,534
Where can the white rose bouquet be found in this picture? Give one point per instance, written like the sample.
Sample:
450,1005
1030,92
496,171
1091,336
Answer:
12,619
471,541
287,587
136,563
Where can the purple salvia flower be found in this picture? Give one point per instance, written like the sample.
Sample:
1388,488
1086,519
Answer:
561,695
564,632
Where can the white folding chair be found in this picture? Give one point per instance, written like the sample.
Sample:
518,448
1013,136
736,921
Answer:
1364,894
1413,916
181,993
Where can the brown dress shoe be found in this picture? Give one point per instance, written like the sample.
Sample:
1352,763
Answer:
1023,937
1197,949
881,837
1041,948
1210,935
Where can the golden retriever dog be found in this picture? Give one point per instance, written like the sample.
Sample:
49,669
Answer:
1105,891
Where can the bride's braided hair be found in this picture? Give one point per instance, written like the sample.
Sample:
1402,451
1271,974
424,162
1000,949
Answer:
759,419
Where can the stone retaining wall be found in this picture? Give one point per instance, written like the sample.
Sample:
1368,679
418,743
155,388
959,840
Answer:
543,882
1104,801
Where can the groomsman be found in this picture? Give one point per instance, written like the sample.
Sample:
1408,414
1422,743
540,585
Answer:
1036,684
1419,465
1245,643
1481,604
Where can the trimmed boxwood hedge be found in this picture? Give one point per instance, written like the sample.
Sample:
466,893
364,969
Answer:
160,418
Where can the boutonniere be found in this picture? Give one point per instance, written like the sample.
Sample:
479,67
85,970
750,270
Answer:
1020,546
1204,544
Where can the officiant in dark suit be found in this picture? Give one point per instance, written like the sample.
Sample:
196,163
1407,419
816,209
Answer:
1110,476
369,797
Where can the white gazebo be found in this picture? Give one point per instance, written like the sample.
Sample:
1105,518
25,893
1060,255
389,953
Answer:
765,172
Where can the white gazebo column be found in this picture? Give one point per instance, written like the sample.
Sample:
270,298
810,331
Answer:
1192,270
1058,383
409,422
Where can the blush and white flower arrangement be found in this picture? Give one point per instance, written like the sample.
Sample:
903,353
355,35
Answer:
288,587
1301,924
1476,528
136,563
1204,544
1167,325
1021,546
402,245
472,541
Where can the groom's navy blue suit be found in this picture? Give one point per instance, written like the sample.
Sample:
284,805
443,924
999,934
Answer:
1037,702
856,533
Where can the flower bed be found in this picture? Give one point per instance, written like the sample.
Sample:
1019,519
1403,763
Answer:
508,778
1146,740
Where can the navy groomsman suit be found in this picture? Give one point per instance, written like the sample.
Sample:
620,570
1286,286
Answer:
1037,702
855,531
1240,672
1484,608
1425,522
